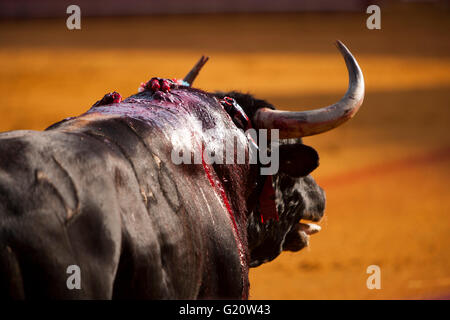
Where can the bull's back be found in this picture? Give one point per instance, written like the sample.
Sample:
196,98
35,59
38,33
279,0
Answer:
178,239
105,197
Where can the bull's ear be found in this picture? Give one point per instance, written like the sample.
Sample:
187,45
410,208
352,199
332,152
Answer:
298,160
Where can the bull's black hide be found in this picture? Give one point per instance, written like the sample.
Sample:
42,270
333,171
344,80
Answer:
100,191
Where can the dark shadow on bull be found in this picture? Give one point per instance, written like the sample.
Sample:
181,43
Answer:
101,192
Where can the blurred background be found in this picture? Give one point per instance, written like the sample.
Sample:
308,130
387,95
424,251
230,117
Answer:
386,172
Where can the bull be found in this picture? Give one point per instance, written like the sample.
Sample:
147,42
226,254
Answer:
100,192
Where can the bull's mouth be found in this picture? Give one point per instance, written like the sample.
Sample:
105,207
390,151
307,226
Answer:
298,237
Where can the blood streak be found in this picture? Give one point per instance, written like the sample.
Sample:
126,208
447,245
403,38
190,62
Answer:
216,184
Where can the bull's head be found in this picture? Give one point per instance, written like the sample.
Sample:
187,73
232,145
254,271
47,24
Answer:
295,193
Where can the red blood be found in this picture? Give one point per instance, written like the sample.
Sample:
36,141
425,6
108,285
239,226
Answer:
116,97
228,101
154,84
165,86
218,187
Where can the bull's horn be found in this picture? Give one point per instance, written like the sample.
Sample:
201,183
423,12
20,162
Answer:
190,77
307,123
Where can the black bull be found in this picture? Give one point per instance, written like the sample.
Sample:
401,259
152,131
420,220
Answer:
101,192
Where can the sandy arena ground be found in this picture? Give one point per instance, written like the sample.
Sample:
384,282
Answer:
385,172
